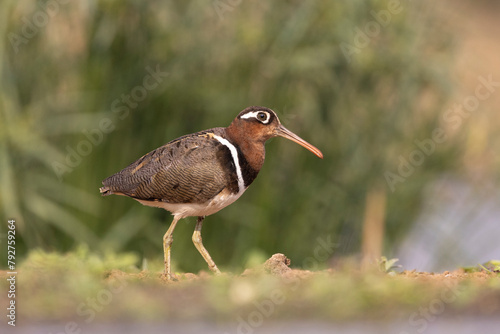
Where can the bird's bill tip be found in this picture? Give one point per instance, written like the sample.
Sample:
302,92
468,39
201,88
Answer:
285,133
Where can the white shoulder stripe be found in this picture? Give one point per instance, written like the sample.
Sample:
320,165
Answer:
234,154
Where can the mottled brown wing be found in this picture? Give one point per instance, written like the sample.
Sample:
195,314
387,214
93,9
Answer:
186,170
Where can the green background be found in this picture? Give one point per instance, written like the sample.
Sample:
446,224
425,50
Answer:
364,108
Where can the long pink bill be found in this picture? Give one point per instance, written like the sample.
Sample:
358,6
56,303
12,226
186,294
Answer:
285,133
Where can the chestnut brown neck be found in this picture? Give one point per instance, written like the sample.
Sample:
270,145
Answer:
248,142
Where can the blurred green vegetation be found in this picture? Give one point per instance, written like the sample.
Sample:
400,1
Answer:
74,72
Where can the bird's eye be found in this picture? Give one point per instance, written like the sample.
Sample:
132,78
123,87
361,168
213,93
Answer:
261,116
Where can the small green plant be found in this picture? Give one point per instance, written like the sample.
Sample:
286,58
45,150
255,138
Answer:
388,266
492,266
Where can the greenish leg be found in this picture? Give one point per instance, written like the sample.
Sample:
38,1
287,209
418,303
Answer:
167,245
199,246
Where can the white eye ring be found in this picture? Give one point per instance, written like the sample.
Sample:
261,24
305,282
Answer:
255,114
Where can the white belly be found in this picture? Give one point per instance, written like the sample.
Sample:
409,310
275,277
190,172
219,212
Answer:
182,210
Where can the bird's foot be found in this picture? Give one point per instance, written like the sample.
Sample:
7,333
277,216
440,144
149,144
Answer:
169,277
215,270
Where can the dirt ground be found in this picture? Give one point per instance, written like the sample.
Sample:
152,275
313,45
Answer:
343,293
86,291
279,265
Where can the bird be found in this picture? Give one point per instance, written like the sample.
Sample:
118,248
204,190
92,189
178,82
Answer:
201,173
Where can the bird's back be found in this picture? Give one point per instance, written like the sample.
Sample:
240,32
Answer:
190,169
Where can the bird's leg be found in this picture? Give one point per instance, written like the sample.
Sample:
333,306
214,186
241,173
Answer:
199,246
167,245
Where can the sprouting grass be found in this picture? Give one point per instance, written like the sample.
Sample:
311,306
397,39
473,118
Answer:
492,266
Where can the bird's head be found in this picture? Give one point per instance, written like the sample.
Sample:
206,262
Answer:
260,124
